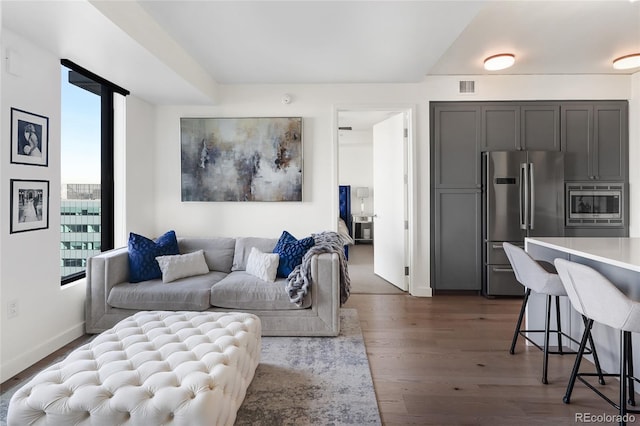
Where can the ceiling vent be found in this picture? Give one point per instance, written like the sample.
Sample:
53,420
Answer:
467,86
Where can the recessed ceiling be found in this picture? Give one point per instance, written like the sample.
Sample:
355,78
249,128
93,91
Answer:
176,51
395,42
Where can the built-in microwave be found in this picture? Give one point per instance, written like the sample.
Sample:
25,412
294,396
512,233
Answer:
591,204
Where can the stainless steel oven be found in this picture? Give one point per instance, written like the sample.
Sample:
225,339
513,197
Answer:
590,204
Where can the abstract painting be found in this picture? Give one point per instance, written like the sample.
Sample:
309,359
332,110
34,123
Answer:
241,159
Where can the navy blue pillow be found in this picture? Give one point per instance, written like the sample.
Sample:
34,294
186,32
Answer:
143,265
291,251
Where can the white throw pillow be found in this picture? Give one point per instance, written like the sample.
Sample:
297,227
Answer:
263,265
182,265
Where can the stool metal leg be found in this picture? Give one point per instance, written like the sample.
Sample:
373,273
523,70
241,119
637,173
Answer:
576,365
631,380
558,325
623,376
519,324
596,361
545,361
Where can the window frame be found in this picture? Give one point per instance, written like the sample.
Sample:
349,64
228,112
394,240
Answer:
107,184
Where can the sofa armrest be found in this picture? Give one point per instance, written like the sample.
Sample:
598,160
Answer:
104,271
325,290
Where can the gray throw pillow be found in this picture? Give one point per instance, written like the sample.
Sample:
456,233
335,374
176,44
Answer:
243,249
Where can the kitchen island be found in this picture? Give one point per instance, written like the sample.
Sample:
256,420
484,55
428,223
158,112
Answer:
618,259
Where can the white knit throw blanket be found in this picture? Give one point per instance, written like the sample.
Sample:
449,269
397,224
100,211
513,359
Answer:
299,279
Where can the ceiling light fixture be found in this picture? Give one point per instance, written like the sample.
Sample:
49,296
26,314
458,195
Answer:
499,62
627,62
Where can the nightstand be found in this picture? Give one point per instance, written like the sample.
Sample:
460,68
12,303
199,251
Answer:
362,228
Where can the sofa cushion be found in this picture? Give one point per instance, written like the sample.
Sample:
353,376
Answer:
241,290
182,266
143,252
189,294
291,251
263,265
243,249
218,251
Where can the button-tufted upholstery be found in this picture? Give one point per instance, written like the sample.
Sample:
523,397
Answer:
153,368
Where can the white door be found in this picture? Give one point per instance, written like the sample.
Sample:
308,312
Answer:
389,189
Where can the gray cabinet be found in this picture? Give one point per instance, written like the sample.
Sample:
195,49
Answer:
508,126
458,257
540,127
456,158
595,140
500,127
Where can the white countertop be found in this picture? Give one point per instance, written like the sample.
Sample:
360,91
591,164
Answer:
621,252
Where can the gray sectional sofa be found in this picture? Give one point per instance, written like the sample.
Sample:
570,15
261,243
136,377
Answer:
226,287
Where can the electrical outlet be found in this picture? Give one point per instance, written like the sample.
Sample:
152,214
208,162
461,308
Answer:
12,308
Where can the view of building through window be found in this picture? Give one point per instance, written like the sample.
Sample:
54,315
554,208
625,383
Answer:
80,204
79,226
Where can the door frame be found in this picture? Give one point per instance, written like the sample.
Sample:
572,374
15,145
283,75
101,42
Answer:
411,171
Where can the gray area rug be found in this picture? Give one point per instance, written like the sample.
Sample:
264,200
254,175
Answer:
313,381
304,381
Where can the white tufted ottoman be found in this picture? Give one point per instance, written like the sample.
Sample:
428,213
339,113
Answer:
153,368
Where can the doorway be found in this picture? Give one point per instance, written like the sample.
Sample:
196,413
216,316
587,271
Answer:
375,157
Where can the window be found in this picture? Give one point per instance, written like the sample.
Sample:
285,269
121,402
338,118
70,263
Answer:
87,195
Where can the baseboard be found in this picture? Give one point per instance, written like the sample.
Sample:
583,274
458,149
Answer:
27,359
422,292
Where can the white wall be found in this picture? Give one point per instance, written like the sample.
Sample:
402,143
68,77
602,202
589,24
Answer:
141,167
315,103
355,164
49,316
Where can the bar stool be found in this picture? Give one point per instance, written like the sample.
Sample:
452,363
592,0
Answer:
542,278
596,298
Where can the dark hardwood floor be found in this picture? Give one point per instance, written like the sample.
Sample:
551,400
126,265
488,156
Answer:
445,361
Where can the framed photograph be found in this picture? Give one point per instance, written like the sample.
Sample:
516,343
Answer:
29,205
241,159
29,138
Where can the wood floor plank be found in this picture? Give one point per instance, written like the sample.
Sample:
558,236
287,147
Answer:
444,361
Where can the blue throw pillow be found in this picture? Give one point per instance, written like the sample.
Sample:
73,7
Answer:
143,265
291,251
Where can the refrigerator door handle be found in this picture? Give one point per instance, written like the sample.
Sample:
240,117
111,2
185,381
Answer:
524,195
532,195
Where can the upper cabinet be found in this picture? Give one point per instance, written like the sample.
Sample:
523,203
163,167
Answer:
595,140
510,126
456,156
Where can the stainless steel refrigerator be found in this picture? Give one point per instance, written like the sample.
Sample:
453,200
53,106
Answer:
523,195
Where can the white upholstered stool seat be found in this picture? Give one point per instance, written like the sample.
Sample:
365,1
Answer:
599,300
153,368
542,278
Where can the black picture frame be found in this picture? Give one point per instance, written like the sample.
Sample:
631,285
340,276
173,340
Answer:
29,138
29,205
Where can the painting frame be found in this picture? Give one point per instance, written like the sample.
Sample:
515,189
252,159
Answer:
29,138
29,205
241,159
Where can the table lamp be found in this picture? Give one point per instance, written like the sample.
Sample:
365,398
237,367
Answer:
362,193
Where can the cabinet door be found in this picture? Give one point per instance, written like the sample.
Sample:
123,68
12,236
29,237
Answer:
500,127
540,127
610,140
457,240
577,131
456,155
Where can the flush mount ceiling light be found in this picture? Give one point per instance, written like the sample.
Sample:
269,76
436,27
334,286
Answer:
499,62
627,62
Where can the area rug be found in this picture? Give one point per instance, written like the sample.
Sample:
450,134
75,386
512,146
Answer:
304,381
